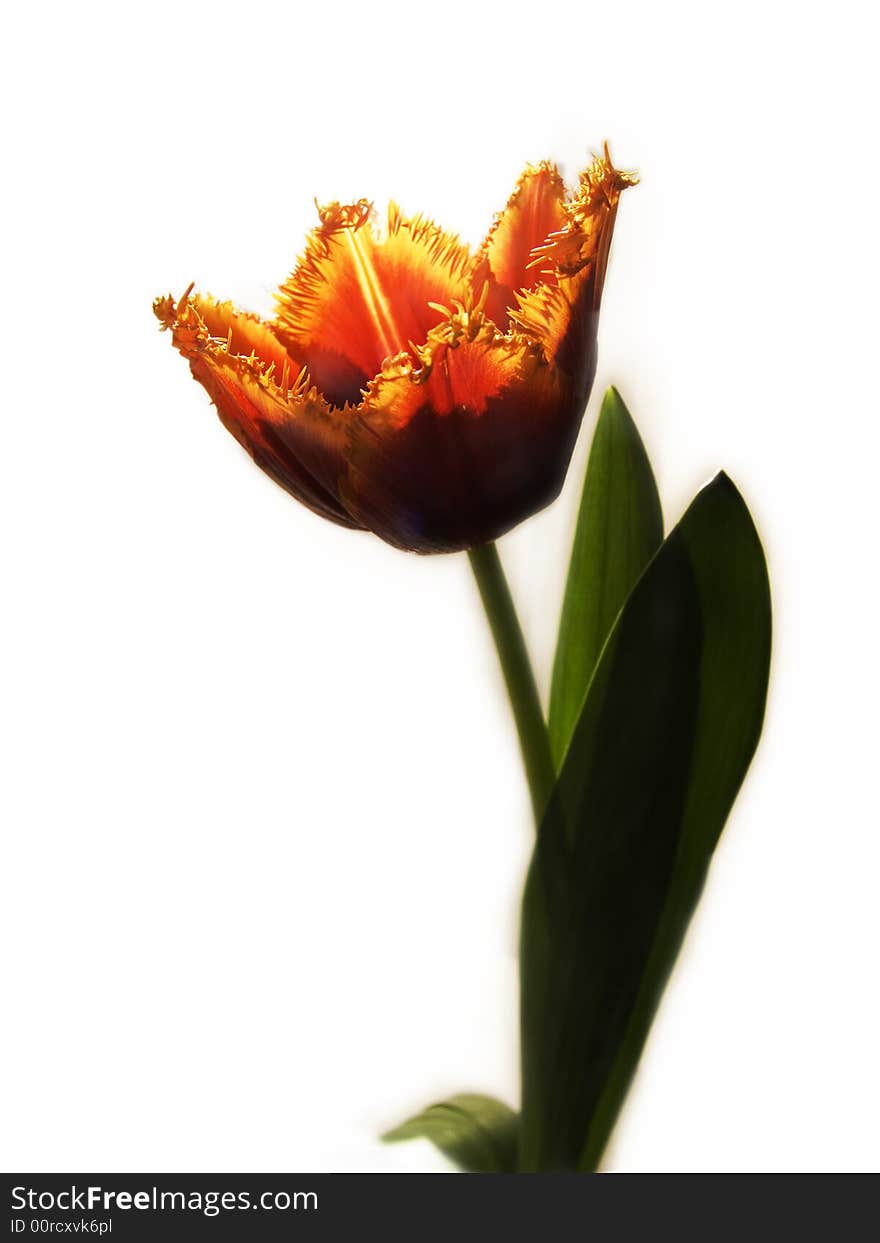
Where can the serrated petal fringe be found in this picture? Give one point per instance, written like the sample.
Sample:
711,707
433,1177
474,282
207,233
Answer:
407,385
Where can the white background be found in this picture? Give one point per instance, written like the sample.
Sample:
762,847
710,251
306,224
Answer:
264,825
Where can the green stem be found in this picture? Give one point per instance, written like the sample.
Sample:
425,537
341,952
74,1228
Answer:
521,688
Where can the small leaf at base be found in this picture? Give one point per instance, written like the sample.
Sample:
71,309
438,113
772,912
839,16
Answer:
478,1133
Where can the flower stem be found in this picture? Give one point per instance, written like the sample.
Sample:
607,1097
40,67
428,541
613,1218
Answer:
516,667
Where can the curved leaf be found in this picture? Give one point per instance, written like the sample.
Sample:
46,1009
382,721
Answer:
479,1133
668,728
619,528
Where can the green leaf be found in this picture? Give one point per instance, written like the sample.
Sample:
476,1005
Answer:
668,728
619,528
479,1133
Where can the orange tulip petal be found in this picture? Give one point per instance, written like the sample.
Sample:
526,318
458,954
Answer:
377,405
534,211
453,450
263,399
356,298
562,311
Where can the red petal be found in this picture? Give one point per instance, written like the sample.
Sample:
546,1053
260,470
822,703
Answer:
286,427
454,454
562,311
533,212
356,299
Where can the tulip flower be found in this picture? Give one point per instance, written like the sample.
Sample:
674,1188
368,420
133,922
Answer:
432,395
408,386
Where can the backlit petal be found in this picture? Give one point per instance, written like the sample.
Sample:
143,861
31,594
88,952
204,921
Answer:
534,211
561,312
263,399
454,450
357,298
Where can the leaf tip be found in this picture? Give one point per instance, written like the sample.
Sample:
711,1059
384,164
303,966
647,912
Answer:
613,402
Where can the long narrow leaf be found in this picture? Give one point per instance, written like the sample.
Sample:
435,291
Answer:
619,528
668,728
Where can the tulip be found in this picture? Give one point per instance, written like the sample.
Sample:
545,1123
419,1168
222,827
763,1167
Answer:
431,395
408,386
